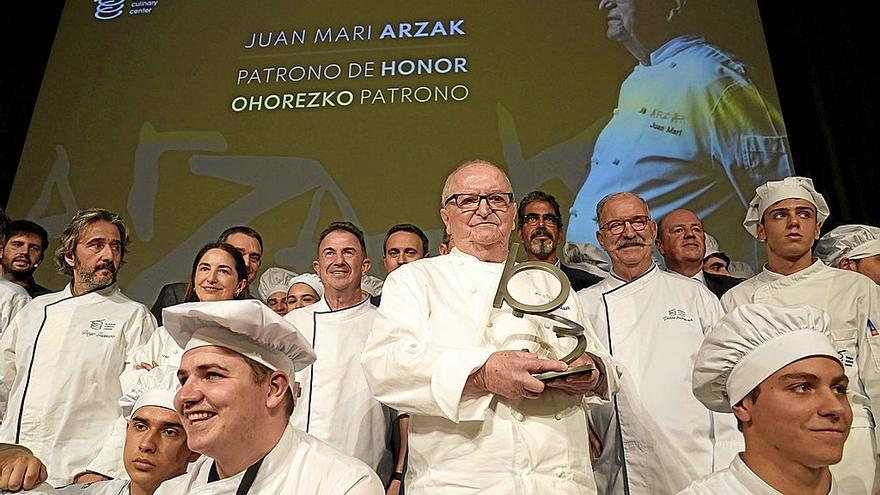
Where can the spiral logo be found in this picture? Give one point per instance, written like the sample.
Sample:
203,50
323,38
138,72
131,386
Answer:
108,9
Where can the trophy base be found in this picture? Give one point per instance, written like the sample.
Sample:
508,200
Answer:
551,375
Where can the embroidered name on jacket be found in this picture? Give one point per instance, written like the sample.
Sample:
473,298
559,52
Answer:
100,328
677,314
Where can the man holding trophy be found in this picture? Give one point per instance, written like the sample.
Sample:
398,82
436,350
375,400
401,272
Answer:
493,361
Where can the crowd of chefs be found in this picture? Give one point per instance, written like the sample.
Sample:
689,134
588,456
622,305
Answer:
702,376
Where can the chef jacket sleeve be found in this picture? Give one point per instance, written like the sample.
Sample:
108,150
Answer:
407,369
869,353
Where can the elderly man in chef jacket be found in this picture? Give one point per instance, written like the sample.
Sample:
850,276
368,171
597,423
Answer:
777,369
236,400
62,356
656,438
787,216
480,421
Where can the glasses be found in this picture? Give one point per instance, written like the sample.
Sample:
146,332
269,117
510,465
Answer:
616,227
471,201
535,219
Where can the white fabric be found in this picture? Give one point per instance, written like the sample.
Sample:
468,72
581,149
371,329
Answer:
247,327
666,439
273,280
161,349
773,192
848,241
751,343
153,388
13,297
112,487
299,464
691,130
852,301
336,405
433,330
60,362
372,285
712,246
738,479
311,280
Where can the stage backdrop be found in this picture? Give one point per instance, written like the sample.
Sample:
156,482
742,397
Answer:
189,117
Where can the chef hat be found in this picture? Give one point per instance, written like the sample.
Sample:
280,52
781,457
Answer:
848,241
712,246
154,388
274,280
247,327
309,279
751,343
777,190
372,285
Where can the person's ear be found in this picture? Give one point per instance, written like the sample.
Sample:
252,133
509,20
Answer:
278,385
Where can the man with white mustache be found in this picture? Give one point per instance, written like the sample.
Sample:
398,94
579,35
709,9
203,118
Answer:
62,356
655,438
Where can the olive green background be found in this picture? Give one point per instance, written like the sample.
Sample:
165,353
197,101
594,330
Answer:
114,89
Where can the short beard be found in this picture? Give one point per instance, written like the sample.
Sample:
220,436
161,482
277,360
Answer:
20,275
89,280
542,248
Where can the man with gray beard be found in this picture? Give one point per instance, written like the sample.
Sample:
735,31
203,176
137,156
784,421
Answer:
539,226
62,356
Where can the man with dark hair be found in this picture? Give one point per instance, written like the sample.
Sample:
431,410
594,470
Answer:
404,243
248,242
26,244
777,370
682,243
787,216
91,330
337,405
539,226
236,379
13,297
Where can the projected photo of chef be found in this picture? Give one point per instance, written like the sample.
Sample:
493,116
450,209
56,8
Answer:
690,130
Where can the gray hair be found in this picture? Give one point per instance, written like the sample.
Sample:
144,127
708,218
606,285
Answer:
71,234
617,195
447,186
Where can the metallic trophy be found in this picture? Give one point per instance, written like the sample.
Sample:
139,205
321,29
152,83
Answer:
570,328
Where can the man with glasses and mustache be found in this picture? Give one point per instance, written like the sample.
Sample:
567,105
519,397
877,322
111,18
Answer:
480,422
656,437
62,356
539,226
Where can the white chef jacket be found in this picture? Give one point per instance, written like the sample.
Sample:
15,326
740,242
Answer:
336,405
657,437
690,131
853,303
433,330
60,361
299,464
112,487
738,479
13,297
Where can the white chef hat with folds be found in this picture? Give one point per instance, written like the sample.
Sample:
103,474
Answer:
777,190
309,279
372,285
848,241
154,388
247,327
751,343
274,280
712,246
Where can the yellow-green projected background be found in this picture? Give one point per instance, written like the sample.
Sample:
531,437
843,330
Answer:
137,113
